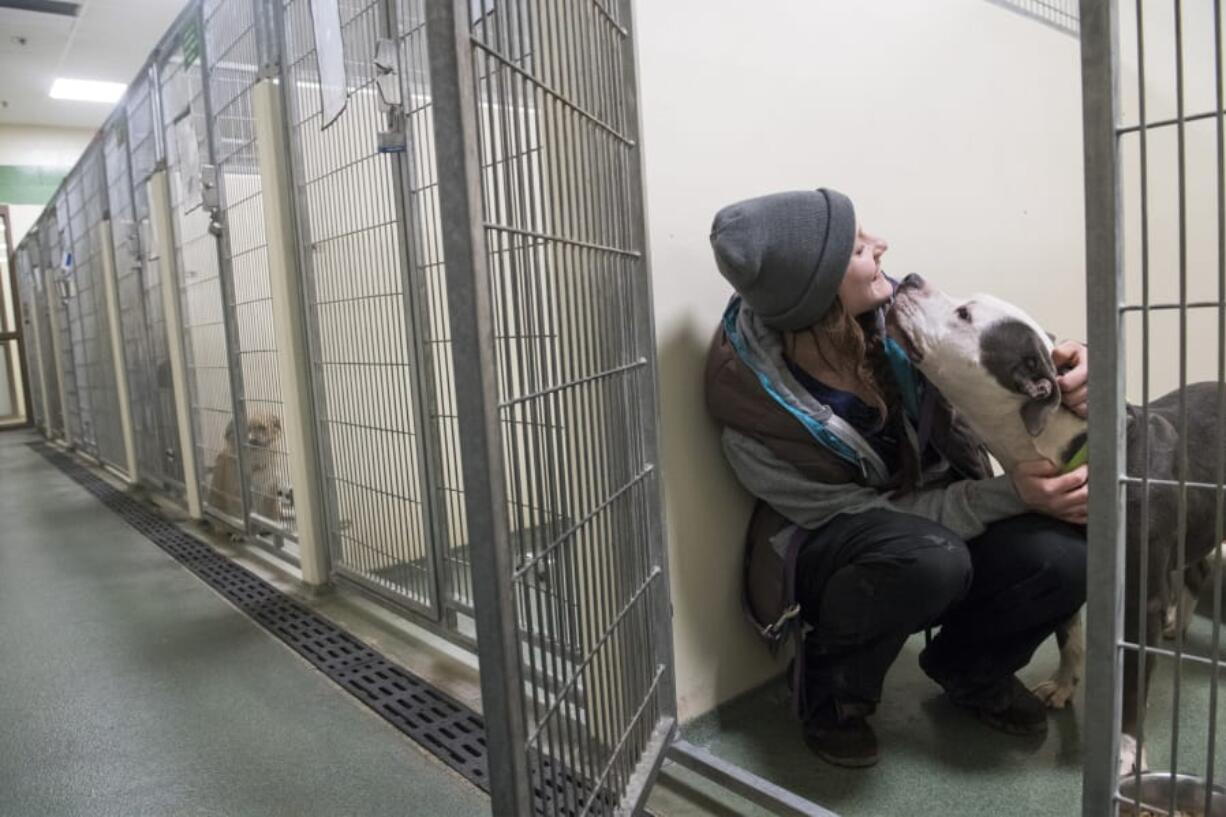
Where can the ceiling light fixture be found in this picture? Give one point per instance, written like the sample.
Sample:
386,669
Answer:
87,90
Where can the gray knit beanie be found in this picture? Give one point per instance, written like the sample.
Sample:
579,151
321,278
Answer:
786,253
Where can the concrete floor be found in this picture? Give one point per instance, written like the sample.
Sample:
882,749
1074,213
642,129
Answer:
128,687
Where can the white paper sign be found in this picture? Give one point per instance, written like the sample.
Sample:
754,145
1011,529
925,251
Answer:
330,56
176,96
189,163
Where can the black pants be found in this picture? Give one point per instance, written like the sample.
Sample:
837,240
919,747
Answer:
867,581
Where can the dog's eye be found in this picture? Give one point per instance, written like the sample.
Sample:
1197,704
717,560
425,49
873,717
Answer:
964,314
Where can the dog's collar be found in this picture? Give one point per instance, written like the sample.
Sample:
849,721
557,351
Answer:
1079,458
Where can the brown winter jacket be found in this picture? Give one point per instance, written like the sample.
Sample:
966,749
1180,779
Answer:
804,474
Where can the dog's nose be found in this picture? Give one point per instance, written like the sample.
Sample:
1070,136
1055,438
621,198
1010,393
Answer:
913,281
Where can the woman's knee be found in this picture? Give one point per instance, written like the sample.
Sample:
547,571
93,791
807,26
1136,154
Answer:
940,575
1054,552
924,574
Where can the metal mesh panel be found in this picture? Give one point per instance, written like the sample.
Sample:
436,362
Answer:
161,458
361,315
76,373
27,294
567,277
428,261
101,432
105,400
233,68
81,306
51,334
125,246
209,384
1059,14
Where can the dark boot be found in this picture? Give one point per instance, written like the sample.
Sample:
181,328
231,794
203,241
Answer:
844,740
1006,705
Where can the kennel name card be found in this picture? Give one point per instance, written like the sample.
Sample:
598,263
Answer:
330,57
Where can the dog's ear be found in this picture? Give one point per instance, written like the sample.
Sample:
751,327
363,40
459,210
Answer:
1035,377
1014,353
229,434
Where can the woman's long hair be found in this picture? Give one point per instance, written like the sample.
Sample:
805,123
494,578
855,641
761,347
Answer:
848,348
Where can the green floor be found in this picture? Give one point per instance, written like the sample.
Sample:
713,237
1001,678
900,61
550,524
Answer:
937,760
128,687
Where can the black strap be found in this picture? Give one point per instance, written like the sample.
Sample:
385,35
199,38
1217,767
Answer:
928,410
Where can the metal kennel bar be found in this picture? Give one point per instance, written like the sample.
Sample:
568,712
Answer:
86,206
536,141
80,427
80,306
133,328
47,375
235,47
213,385
59,337
1104,613
160,454
15,352
27,296
1156,248
362,305
125,248
419,184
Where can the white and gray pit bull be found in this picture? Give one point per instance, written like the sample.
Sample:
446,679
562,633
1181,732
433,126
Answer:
993,363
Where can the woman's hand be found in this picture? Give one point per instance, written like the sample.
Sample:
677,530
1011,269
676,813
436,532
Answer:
1043,488
1075,393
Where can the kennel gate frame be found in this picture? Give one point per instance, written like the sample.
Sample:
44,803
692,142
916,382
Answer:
146,159
72,345
230,69
50,246
1104,129
190,22
127,269
86,191
133,333
433,613
24,298
27,349
453,47
48,372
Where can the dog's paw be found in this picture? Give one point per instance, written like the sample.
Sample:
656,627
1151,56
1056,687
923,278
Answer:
1129,758
1055,692
1170,622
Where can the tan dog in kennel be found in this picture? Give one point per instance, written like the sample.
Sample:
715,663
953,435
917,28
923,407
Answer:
263,435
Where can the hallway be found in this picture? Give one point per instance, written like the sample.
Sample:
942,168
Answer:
127,686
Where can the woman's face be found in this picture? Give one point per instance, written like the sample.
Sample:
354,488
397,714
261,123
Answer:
864,288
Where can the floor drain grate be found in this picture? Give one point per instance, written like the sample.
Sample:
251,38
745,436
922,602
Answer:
444,727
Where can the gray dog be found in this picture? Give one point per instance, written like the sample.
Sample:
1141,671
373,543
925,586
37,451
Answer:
993,363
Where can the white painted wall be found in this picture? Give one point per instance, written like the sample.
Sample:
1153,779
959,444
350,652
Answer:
955,127
23,217
34,146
